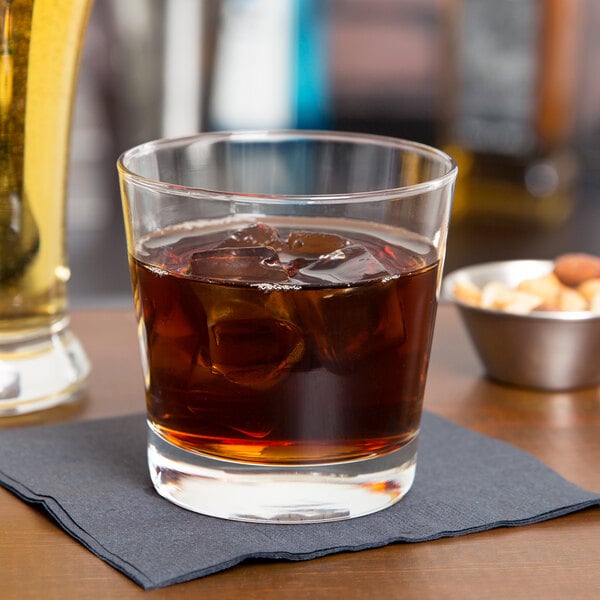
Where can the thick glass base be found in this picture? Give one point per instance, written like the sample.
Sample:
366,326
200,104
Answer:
279,494
41,369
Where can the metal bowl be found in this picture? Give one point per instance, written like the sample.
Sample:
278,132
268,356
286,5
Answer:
550,351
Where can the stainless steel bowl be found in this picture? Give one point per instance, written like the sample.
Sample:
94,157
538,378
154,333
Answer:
543,350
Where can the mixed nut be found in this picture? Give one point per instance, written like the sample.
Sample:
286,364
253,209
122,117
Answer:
572,285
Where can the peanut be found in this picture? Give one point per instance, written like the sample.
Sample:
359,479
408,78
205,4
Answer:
570,300
467,292
522,303
590,288
496,295
573,285
547,288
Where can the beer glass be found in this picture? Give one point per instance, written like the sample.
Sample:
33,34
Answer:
41,362
286,287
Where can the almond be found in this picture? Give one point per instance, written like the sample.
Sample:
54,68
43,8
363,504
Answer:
574,269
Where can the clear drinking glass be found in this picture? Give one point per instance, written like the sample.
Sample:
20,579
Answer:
286,287
42,363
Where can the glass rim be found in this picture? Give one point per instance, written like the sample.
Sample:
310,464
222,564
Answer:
382,141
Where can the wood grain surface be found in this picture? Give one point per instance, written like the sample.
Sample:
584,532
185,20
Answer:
554,559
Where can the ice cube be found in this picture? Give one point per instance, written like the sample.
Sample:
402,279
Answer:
254,339
178,338
314,243
345,327
257,234
256,264
350,264
255,352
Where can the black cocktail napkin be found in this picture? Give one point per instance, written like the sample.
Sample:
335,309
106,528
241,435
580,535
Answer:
92,478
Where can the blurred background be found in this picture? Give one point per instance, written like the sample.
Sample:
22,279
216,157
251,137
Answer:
508,87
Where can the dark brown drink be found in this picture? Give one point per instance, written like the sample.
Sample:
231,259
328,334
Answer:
282,343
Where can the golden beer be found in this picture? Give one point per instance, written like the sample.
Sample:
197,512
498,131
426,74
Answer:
40,45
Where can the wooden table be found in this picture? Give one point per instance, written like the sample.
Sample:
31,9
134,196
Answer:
554,559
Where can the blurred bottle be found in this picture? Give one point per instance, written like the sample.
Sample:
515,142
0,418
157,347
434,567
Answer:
510,108
270,65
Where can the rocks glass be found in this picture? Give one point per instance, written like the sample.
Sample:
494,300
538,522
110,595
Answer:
286,286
